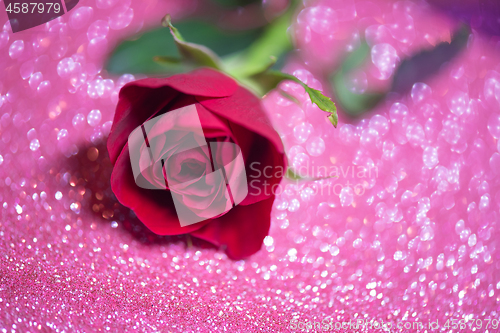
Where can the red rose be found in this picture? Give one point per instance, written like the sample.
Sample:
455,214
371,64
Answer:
228,113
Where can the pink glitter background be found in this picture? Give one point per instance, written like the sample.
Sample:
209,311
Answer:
415,241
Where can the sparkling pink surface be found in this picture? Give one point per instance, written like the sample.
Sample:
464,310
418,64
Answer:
414,240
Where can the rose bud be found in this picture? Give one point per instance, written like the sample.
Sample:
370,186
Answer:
196,154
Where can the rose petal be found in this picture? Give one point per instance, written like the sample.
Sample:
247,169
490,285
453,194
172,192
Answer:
135,106
151,173
218,207
142,99
245,109
264,165
155,208
201,195
260,144
200,82
175,170
213,125
241,230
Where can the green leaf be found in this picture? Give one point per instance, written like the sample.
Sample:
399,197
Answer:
272,44
137,54
352,103
356,58
167,60
324,103
426,63
415,69
290,97
268,80
334,119
194,53
290,174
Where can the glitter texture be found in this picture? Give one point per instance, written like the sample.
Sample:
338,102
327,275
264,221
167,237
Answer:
405,233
